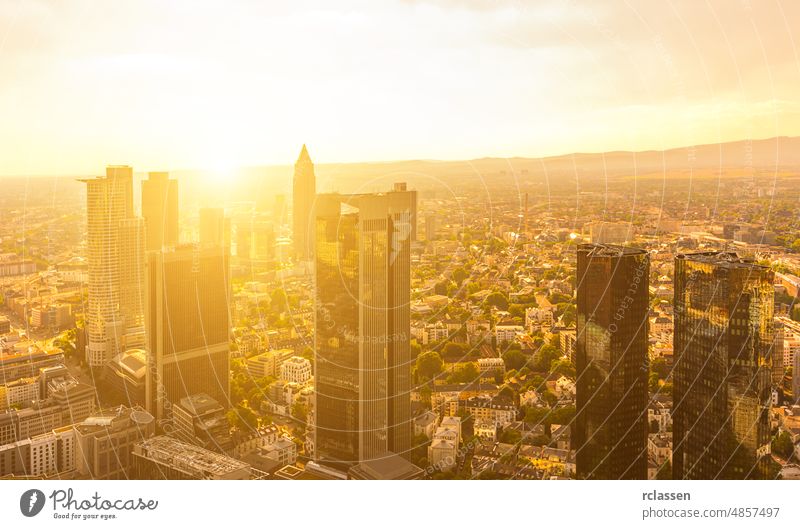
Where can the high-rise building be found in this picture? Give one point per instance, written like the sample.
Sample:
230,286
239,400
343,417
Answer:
304,191
215,228
187,323
610,433
363,357
109,203
132,279
722,353
160,210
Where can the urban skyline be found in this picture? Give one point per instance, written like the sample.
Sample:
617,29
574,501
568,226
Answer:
423,240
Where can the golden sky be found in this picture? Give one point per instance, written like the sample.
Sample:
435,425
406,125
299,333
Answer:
201,84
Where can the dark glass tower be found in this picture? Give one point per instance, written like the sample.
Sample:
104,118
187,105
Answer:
723,343
612,366
363,357
187,325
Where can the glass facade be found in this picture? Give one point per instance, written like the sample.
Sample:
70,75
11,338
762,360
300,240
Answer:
610,433
723,345
363,364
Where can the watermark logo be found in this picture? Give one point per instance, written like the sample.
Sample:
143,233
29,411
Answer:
31,502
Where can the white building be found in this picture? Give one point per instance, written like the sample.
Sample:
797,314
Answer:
296,369
507,333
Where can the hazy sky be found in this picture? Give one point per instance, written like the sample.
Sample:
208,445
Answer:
170,85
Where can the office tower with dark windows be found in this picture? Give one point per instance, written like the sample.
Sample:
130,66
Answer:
187,326
109,205
363,357
304,190
722,376
160,210
610,432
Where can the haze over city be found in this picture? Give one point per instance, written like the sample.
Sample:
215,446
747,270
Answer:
219,85
400,241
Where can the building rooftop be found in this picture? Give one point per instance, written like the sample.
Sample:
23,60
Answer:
721,259
189,458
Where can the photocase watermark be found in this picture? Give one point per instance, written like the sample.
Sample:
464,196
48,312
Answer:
66,505
31,502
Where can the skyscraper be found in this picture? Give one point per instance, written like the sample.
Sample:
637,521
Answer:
160,210
215,228
363,357
132,279
723,344
109,201
303,192
612,365
187,326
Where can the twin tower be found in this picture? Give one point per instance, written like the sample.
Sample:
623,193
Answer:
723,338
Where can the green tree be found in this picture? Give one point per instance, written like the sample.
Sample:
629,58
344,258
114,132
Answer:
459,275
514,359
464,373
659,366
782,445
429,364
299,411
497,299
278,300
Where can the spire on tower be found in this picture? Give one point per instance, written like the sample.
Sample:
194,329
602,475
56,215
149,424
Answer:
304,155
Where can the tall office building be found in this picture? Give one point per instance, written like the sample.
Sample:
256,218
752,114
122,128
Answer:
363,357
304,191
215,228
160,210
109,202
722,346
132,279
187,326
610,433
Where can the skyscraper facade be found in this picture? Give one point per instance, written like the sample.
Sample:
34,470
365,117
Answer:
304,191
160,210
722,376
109,202
363,357
187,326
610,432
215,228
132,285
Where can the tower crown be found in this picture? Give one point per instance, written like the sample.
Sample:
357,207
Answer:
304,156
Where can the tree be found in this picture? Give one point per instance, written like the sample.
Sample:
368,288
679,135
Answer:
464,373
514,359
653,382
299,411
544,357
562,366
459,275
429,364
497,299
659,366
278,300
536,415
563,415
510,436
782,445
454,351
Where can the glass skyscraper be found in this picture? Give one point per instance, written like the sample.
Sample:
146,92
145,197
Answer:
610,433
363,358
722,349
